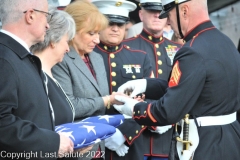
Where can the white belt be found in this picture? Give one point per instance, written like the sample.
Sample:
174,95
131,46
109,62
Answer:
216,120
193,132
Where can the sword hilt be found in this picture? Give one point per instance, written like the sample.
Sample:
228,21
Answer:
185,141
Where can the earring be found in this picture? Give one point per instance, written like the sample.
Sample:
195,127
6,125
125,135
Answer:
52,45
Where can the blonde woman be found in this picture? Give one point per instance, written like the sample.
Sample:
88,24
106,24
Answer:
82,72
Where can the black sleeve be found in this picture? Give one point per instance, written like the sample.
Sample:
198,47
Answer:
156,88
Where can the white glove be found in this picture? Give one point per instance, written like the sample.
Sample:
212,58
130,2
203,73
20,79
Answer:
115,141
122,150
136,86
126,116
161,129
127,107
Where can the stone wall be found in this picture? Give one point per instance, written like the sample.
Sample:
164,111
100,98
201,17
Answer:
227,20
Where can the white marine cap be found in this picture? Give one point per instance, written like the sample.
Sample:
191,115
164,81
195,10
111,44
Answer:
116,10
63,2
168,5
151,4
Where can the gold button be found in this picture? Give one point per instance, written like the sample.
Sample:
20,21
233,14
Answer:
156,45
136,131
138,112
128,47
113,74
142,126
113,64
161,38
150,37
130,138
145,112
112,55
159,71
133,77
159,62
114,83
158,53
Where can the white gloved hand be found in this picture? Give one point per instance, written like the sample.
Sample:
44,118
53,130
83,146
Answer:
122,150
136,86
115,141
127,107
161,129
126,116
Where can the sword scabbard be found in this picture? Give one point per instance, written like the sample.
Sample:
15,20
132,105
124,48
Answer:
186,132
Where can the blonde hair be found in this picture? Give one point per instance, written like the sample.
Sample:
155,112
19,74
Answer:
87,16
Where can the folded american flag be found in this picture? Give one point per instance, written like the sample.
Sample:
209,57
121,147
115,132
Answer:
113,120
85,133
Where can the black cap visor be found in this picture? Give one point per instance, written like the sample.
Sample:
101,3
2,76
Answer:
117,18
151,6
166,8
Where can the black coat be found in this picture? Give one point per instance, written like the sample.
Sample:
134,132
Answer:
63,111
205,82
26,123
123,64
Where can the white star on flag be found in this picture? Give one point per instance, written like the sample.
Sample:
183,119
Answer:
106,117
89,128
69,134
121,121
81,143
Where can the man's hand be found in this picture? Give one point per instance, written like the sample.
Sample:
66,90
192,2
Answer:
135,86
84,150
66,145
115,141
122,150
127,107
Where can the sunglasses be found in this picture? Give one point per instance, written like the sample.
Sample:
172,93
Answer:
117,24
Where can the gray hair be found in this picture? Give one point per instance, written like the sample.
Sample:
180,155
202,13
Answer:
12,10
61,23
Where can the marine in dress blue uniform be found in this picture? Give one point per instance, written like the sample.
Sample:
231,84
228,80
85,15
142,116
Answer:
161,52
202,85
122,64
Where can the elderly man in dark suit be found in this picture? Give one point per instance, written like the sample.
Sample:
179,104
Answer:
26,113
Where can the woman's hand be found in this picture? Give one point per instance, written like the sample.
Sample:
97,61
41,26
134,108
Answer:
113,100
140,97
